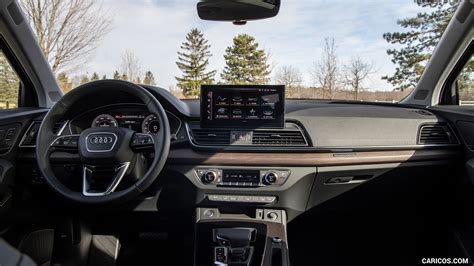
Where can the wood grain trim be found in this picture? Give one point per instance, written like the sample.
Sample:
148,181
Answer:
191,157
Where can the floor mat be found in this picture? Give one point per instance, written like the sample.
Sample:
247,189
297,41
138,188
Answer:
155,250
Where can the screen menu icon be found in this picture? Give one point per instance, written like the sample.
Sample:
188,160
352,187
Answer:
237,101
268,113
252,101
252,113
222,113
222,100
237,113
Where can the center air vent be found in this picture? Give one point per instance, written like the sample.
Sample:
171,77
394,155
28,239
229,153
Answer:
290,136
278,138
211,136
436,134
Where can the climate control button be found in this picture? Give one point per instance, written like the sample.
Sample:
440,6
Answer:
209,177
270,178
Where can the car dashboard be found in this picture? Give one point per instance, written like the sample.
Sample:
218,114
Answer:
229,174
323,150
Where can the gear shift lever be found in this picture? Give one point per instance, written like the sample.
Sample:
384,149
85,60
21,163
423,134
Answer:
234,245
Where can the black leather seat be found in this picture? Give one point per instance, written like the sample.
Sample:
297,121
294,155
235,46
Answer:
9,256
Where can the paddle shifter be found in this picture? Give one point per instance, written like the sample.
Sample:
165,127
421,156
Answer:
234,246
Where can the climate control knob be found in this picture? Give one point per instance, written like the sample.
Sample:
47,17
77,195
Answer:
209,177
270,178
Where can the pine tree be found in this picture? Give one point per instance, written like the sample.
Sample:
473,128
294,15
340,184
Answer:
245,63
84,79
424,32
465,81
124,77
193,61
116,75
9,84
149,79
95,76
104,77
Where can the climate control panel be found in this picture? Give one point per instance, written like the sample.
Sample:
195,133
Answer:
227,177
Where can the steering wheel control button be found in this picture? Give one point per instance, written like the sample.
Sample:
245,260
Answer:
66,142
142,140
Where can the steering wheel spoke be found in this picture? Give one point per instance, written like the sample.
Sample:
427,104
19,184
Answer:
101,180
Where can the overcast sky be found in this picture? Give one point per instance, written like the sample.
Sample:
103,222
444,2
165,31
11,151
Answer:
154,30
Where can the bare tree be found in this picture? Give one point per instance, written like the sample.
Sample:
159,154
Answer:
355,72
269,60
67,30
290,77
325,73
130,66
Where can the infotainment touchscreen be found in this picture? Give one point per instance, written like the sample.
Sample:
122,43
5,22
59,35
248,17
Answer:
243,106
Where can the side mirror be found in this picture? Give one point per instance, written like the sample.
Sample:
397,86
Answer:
237,11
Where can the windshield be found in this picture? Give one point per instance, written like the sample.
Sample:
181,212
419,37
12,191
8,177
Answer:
338,50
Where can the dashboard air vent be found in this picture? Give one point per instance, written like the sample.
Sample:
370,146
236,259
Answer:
278,138
29,139
211,136
436,134
58,126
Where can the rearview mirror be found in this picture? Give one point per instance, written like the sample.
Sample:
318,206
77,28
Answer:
237,11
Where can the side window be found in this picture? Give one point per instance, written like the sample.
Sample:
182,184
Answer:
465,83
9,84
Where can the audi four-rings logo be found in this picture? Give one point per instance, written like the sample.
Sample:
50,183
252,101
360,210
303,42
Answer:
101,140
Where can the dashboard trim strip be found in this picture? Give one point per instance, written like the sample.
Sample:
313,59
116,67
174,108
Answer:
188,156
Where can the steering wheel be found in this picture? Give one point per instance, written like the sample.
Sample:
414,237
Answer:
108,154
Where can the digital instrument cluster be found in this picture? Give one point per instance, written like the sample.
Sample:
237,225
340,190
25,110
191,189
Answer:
139,122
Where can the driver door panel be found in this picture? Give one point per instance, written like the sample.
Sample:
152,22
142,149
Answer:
13,125
7,175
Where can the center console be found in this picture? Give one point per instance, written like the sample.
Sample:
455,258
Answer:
243,210
231,239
